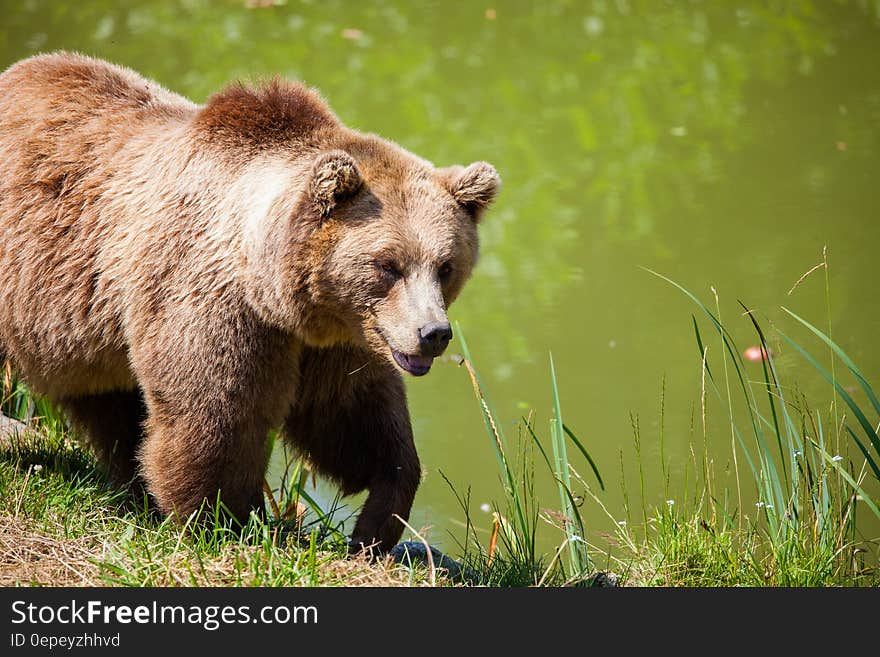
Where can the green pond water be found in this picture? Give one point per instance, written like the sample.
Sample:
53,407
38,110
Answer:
721,144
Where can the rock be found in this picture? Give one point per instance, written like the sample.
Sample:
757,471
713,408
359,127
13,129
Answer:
604,580
413,553
10,428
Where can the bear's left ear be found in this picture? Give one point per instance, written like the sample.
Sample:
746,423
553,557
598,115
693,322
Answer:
334,177
474,187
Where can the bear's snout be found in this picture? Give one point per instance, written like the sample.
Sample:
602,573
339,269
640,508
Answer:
434,337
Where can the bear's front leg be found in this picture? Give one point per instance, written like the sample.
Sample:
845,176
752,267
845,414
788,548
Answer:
391,495
189,459
351,421
214,387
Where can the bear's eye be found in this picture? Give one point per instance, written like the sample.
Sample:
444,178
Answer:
445,270
390,269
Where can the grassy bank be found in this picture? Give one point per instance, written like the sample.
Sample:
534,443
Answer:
793,500
786,504
61,524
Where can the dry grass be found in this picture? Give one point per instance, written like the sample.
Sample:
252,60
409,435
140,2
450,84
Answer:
31,556
28,557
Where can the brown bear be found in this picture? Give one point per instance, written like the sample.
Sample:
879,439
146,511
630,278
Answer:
181,279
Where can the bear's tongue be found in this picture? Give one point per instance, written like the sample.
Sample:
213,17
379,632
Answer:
415,365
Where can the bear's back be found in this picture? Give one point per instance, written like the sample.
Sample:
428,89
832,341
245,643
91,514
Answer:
64,117
80,86
67,108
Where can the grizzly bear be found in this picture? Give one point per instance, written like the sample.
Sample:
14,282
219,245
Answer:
182,278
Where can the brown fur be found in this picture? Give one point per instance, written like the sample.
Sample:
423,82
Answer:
183,278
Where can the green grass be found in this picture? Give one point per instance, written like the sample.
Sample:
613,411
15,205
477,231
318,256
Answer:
810,490
62,524
810,487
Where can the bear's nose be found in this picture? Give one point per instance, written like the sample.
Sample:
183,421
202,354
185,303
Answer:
433,338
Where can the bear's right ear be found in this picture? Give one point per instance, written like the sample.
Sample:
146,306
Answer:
334,177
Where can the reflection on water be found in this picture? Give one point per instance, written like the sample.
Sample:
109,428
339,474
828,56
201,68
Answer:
721,143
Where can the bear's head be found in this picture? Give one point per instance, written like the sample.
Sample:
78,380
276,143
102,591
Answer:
391,241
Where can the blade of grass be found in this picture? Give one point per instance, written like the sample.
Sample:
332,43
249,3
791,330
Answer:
852,482
871,462
586,455
700,345
538,443
579,560
845,359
